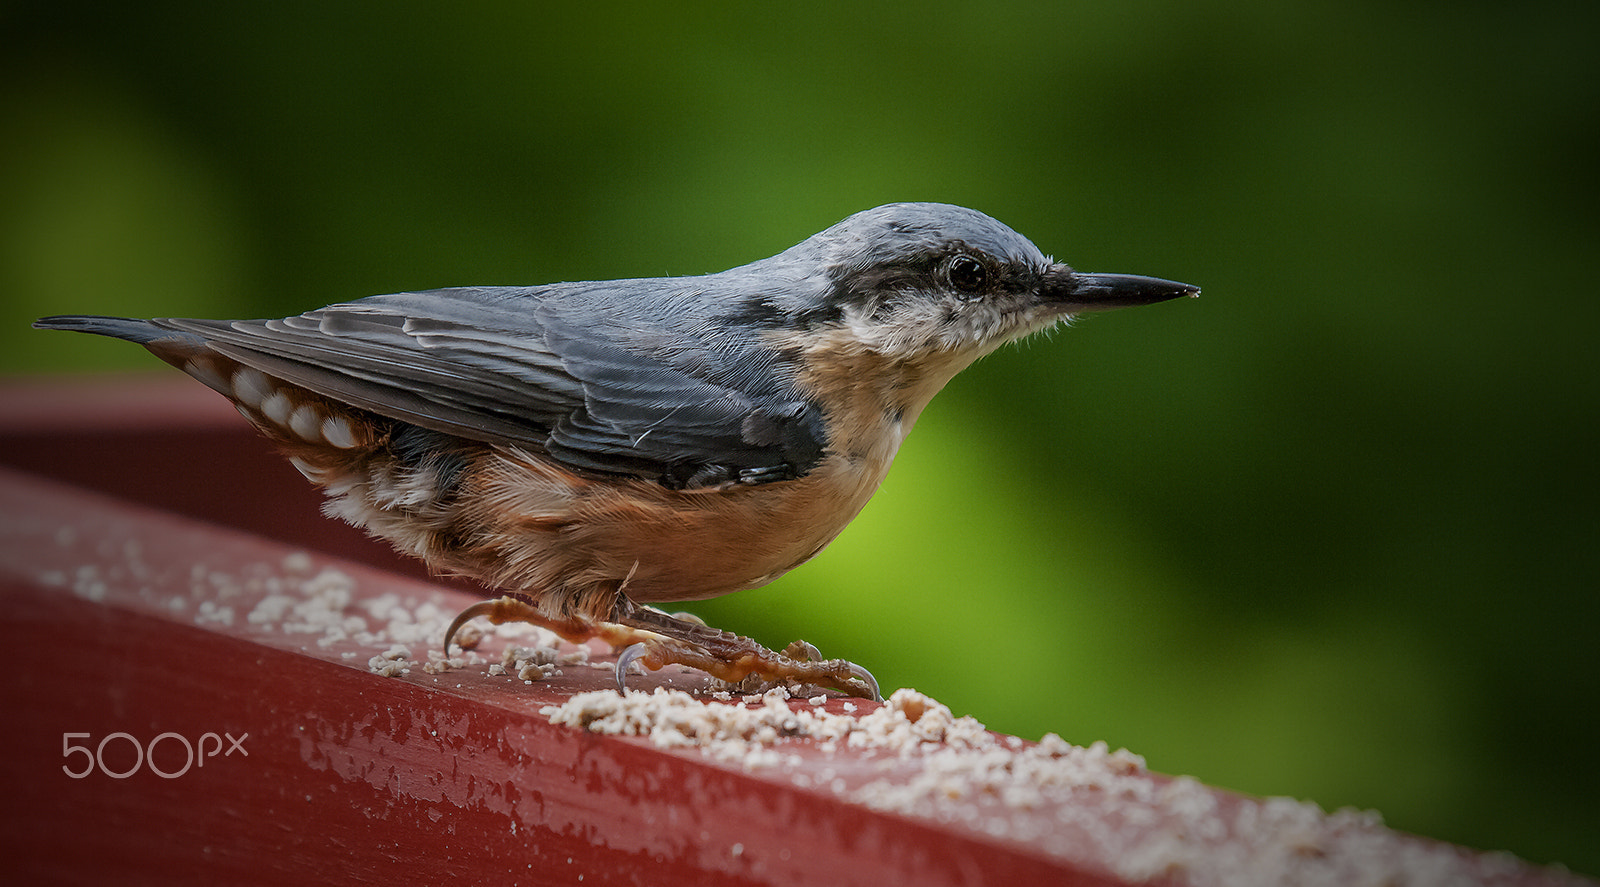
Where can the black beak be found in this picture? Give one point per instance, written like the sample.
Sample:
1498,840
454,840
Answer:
1076,292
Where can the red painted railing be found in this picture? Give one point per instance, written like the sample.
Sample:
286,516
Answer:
211,683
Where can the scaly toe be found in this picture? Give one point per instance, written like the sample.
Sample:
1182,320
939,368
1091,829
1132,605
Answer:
803,651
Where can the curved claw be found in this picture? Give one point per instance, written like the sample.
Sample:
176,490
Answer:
482,608
866,678
625,659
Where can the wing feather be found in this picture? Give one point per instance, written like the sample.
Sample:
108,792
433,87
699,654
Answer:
537,368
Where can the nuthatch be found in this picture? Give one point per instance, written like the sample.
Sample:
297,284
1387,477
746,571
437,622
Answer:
589,447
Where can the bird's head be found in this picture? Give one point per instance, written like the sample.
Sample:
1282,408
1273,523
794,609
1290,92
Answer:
931,281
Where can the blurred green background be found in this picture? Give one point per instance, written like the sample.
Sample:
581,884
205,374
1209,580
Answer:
1329,531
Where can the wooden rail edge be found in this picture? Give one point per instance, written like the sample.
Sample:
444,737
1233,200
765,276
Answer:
206,694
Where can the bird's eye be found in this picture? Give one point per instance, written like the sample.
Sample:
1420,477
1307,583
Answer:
968,274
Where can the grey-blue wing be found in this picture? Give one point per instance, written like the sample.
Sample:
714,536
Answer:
509,366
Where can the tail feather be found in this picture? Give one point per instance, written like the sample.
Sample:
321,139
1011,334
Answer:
132,329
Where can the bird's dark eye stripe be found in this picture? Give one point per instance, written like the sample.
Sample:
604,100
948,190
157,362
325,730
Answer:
967,274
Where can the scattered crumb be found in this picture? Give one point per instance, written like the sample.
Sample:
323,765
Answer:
736,733
438,663
209,613
515,656
1064,799
297,562
468,636
391,662
87,583
911,755
529,672
300,595
530,664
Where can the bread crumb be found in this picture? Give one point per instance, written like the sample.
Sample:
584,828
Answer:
468,636
390,662
532,671
1051,795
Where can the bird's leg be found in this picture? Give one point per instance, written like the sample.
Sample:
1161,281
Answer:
517,607
656,639
730,657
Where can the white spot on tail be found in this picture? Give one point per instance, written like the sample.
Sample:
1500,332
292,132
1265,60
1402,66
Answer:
337,431
251,387
307,423
276,408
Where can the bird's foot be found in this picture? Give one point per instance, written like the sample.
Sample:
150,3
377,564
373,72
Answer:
576,629
655,639
733,658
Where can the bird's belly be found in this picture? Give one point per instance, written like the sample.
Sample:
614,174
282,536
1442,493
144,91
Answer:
671,545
